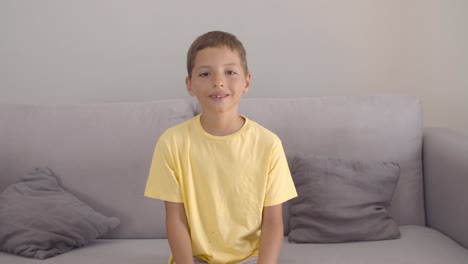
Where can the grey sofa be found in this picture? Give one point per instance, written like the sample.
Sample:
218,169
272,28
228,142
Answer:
102,153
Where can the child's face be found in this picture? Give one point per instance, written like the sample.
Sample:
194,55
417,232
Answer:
218,80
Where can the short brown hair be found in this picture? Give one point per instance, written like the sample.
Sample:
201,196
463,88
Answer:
215,39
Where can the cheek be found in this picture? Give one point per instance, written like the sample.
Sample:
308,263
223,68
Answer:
200,82
238,80
243,83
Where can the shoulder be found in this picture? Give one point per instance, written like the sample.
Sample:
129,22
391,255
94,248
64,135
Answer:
177,134
262,131
178,130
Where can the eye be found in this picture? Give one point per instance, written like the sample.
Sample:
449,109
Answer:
231,72
203,74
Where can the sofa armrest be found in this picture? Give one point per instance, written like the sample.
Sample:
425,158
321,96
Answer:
445,163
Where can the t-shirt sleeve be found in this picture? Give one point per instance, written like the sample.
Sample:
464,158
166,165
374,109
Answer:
163,181
280,186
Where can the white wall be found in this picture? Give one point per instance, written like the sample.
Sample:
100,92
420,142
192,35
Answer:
116,50
434,64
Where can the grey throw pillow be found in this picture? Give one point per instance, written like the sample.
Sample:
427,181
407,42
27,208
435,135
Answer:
342,200
39,219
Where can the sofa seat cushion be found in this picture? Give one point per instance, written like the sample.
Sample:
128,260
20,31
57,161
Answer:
416,245
106,251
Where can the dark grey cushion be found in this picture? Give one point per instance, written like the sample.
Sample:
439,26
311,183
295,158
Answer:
342,200
39,219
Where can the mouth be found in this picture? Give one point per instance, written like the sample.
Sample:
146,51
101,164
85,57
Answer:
218,96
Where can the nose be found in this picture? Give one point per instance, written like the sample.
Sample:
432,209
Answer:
218,81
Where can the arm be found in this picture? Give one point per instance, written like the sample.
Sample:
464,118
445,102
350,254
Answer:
271,238
445,155
178,233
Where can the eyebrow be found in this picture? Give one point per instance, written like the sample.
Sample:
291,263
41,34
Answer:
207,66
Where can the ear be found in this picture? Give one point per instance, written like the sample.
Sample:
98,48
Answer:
188,84
247,83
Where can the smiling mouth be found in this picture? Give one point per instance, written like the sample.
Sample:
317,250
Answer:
217,96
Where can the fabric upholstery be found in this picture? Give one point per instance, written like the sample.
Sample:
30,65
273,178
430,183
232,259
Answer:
342,200
39,219
417,245
379,128
101,153
446,181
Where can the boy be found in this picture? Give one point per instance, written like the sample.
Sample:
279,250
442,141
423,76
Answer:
222,176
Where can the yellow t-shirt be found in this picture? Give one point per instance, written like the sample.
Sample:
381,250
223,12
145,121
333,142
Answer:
224,183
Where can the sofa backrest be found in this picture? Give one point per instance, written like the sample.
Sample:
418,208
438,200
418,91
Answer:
102,152
378,128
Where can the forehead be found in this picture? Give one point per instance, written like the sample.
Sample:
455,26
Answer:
217,54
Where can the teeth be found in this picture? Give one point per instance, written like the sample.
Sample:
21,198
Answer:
218,96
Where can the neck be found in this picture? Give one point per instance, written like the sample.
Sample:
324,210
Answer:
221,124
